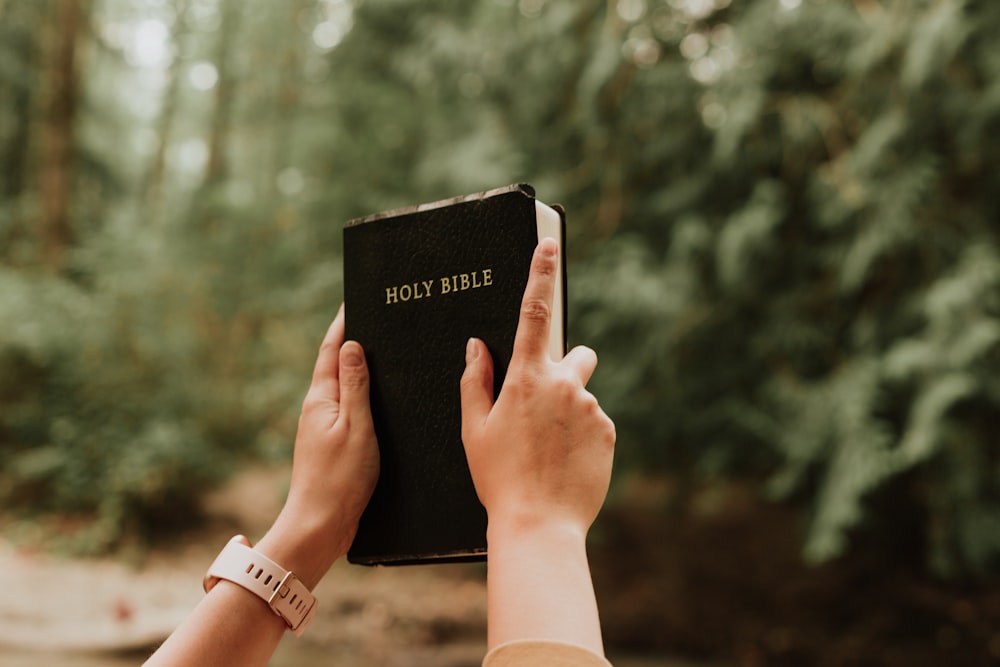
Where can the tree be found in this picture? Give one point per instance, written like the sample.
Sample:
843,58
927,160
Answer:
780,230
781,226
59,95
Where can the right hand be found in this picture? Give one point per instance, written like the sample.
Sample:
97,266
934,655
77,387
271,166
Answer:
542,452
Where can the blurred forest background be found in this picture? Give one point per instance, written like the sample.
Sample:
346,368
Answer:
783,244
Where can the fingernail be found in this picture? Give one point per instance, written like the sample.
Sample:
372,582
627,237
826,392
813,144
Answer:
471,351
548,246
351,355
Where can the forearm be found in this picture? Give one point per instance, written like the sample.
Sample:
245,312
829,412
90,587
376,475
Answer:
230,626
233,625
539,586
334,470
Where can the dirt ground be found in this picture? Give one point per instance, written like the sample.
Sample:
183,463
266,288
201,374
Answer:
85,612
717,575
125,606
715,579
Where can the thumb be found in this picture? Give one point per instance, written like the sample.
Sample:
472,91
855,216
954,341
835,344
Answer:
354,382
477,387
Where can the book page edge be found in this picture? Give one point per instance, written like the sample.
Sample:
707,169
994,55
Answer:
524,188
549,224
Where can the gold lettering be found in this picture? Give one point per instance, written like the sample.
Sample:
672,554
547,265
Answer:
459,282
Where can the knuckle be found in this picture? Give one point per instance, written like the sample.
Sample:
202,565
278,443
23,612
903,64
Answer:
329,348
311,402
521,383
590,403
566,388
354,379
536,310
469,380
604,425
611,431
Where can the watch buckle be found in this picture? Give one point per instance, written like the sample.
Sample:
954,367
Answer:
281,591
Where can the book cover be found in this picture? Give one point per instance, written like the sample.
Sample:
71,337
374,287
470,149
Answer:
418,283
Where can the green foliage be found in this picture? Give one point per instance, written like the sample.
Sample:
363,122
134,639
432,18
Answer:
782,236
176,340
841,331
763,200
99,414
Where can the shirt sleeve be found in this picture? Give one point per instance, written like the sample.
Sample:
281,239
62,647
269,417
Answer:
529,653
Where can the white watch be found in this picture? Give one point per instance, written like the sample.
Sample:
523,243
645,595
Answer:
280,589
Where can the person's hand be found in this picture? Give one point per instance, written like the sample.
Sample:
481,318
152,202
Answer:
335,466
333,475
540,458
542,453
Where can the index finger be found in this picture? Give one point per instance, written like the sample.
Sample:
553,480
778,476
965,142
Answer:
531,342
326,374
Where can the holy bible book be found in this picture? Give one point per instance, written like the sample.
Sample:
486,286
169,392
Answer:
418,283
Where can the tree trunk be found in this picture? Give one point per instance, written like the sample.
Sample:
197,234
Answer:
218,146
154,186
58,115
286,102
19,24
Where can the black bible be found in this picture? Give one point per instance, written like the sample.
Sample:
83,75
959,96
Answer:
418,283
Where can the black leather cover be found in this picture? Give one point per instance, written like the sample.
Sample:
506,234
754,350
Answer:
425,508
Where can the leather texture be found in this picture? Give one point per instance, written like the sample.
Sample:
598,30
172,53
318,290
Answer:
283,592
425,508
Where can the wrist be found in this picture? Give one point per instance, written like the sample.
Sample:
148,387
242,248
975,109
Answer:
538,582
285,594
302,545
508,529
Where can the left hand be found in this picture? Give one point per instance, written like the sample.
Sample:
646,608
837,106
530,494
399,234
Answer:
333,475
335,465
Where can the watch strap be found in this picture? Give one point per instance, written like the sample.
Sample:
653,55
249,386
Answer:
279,588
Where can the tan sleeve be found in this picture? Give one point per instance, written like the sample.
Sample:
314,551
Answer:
529,653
